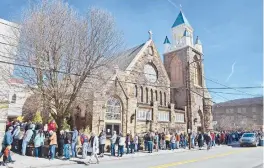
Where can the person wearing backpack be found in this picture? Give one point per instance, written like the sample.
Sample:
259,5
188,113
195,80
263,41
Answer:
84,142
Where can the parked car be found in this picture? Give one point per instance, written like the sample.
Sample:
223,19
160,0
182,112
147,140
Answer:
249,139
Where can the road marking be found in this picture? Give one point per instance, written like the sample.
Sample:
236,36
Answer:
200,159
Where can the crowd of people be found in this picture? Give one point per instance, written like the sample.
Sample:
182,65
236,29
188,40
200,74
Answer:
20,136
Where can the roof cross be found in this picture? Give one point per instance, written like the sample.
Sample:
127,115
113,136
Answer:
150,34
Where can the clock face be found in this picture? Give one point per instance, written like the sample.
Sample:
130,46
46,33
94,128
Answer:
150,73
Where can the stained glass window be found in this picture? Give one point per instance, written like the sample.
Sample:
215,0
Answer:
113,109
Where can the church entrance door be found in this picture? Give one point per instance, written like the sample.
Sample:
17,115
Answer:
110,128
113,116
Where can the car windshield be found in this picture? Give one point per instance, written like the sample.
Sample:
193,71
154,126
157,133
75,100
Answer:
248,135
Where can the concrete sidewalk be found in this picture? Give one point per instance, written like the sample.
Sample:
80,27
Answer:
32,162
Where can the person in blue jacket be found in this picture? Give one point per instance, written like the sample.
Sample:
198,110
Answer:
74,142
7,141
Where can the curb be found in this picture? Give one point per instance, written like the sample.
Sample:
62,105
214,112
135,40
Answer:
79,161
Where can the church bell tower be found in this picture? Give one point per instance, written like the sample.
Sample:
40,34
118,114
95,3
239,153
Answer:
181,53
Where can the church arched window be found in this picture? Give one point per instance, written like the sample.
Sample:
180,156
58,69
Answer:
165,99
197,72
141,94
13,98
136,91
151,95
160,98
176,70
156,95
113,109
146,95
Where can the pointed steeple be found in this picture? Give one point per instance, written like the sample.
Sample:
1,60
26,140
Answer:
198,41
186,33
181,19
166,41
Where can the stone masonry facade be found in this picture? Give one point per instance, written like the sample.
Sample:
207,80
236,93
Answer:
127,87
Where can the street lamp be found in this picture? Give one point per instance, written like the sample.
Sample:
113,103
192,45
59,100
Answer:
188,98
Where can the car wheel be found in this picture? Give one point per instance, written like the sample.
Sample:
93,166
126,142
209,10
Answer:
241,145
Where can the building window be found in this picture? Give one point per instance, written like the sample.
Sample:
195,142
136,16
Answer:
197,72
244,110
179,118
254,109
156,95
13,98
136,90
146,95
165,99
239,110
113,109
144,114
164,116
141,93
151,95
176,70
160,98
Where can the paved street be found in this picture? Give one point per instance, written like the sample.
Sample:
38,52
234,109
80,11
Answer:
229,157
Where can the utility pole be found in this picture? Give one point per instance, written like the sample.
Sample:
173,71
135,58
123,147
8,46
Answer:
188,102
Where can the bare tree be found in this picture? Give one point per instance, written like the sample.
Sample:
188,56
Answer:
59,51
225,123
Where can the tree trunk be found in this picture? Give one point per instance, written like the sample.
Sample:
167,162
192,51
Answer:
59,122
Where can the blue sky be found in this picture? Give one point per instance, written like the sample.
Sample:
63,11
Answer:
230,30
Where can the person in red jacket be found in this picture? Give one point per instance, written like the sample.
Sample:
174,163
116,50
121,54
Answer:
52,126
213,138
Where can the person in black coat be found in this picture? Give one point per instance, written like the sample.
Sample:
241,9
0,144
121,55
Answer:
61,143
200,140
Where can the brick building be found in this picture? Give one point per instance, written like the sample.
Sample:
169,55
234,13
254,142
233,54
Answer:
239,114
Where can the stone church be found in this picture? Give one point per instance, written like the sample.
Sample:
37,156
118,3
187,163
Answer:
146,95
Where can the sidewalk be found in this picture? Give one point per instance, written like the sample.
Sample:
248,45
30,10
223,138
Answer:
31,162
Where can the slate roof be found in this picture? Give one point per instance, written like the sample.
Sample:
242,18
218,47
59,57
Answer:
181,19
242,102
125,58
166,41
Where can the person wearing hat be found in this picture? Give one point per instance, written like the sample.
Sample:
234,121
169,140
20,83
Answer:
26,139
7,141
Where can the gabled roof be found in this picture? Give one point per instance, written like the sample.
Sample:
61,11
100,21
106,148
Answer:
181,19
125,58
166,41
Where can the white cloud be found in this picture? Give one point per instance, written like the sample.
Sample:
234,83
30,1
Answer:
174,4
232,72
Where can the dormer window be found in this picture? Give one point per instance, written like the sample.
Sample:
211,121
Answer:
13,98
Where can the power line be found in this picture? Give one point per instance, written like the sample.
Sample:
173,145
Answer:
242,87
227,93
